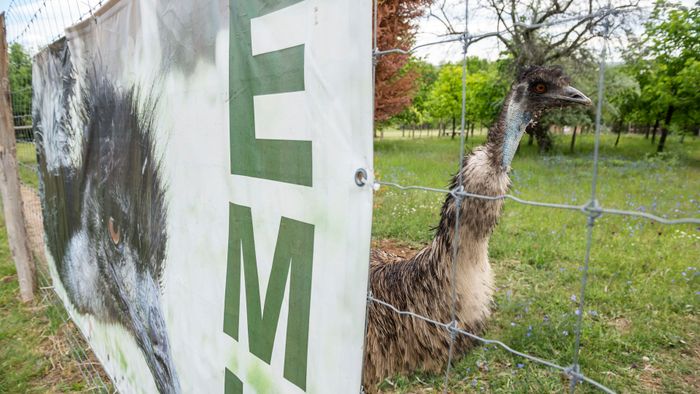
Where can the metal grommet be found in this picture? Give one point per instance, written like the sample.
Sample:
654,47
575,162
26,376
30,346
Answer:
360,177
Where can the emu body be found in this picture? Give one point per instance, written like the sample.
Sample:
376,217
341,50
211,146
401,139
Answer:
423,284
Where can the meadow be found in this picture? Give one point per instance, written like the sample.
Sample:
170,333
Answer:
38,349
641,329
641,324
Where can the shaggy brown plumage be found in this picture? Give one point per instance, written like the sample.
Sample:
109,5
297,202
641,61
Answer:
422,284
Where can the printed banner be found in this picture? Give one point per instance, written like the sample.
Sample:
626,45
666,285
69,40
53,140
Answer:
197,161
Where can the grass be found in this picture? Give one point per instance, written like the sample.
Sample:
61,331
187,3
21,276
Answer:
35,356
26,155
641,323
641,327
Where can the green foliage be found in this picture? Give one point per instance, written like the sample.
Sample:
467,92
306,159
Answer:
446,96
417,112
666,64
20,75
485,90
641,302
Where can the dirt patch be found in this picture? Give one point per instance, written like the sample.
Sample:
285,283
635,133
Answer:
31,207
694,379
621,324
395,247
73,365
650,377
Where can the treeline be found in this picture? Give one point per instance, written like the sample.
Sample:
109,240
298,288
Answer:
654,90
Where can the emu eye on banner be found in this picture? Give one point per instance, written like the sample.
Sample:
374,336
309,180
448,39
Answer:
197,161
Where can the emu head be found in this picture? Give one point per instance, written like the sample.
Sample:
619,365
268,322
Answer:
539,88
123,218
536,90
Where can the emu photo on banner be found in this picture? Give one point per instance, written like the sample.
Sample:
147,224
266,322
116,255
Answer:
197,162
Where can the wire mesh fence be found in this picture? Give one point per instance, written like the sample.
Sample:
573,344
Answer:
31,25
591,209
34,24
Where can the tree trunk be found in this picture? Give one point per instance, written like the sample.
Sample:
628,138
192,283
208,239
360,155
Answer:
544,139
573,139
454,127
472,130
646,132
9,182
664,130
618,129
653,133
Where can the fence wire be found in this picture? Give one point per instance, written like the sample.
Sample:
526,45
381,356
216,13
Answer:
591,209
32,25
35,24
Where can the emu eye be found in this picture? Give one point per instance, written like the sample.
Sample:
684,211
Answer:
540,88
114,231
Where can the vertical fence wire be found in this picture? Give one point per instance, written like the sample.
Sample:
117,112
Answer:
590,222
458,203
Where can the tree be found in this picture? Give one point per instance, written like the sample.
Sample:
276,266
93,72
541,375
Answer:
529,41
417,113
622,95
395,83
20,75
484,92
445,100
666,61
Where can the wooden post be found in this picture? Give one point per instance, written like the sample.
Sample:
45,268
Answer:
9,181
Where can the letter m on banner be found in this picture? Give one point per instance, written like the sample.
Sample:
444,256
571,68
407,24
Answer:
292,258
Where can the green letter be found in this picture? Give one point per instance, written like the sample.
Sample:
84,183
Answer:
293,252
232,385
268,73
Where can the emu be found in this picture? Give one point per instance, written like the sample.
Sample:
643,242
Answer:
104,208
422,284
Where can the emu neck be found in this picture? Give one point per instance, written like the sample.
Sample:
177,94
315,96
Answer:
485,172
504,137
517,120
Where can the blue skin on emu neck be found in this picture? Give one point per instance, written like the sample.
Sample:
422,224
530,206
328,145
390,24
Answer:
516,121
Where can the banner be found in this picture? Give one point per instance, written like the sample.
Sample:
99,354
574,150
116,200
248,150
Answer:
197,161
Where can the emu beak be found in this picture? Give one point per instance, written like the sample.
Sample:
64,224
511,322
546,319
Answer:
159,358
573,95
149,329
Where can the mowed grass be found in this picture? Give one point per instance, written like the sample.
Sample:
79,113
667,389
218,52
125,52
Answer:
26,155
641,329
35,354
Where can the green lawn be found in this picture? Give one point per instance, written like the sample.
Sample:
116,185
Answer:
26,155
641,325
37,348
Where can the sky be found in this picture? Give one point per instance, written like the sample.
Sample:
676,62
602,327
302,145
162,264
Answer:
482,20
58,14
